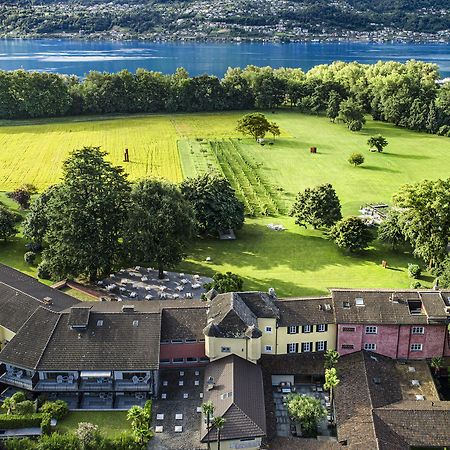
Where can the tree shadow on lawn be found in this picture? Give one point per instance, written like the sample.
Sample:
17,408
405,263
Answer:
259,250
379,169
405,156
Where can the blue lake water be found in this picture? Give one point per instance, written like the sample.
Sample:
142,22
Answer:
78,57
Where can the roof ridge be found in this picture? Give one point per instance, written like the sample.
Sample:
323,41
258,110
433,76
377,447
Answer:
48,340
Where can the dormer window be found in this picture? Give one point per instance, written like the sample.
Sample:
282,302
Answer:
359,301
346,304
415,307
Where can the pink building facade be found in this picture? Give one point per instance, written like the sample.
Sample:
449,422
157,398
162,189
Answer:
395,341
182,354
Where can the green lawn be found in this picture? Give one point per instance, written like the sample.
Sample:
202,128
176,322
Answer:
296,261
111,423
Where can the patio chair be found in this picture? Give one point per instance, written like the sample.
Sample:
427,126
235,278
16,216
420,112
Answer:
135,379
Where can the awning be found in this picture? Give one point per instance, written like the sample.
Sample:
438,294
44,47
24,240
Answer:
95,374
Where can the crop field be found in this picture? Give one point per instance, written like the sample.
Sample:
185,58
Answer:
266,178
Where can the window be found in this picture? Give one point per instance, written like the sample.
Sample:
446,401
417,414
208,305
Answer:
293,329
164,361
359,301
225,349
349,329
346,304
268,348
177,341
191,360
306,329
189,341
415,307
371,330
306,347
292,348
322,327
99,323
321,346
418,330
268,329
165,341
416,347
204,359
370,347
348,346
178,360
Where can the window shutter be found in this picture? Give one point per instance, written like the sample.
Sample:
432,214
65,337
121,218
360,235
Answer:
296,348
325,345
287,348
326,327
317,347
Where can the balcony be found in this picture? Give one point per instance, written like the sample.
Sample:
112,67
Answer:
17,380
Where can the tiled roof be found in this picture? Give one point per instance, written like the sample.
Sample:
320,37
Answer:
183,323
111,341
260,304
434,304
21,295
26,348
305,311
229,316
372,413
380,306
243,407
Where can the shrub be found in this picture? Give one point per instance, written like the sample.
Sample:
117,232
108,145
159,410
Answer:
57,441
225,282
351,233
415,284
18,397
127,441
444,131
19,444
89,435
57,409
355,125
43,270
30,258
13,421
356,159
25,408
414,270
46,423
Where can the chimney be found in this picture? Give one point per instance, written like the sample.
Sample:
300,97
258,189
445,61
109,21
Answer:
47,300
210,383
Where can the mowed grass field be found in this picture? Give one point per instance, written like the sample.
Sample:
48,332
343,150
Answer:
296,261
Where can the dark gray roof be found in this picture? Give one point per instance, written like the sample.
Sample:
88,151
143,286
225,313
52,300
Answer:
229,316
260,304
111,341
372,413
26,348
307,311
243,409
434,305
183,323
21,295
380,307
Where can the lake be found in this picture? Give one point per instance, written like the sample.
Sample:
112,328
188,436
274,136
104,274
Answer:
78,57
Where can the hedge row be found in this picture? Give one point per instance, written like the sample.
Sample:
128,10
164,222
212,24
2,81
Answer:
11,421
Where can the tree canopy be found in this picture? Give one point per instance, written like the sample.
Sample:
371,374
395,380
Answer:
425,218
307,411
84,217
8,223
318,206
378,142
215,204
160,222
390,229
351,234
255,125
225,282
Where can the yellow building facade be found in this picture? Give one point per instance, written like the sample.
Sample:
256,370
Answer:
5,336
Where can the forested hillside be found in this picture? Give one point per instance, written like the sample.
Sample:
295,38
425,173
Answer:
230,19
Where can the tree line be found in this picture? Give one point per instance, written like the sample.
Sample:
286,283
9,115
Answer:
406,95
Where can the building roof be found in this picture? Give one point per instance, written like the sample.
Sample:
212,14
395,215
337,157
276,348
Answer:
26,348
229,316
434,305
21,295
238,397
305,311
378,306
183,323
111,341
374,410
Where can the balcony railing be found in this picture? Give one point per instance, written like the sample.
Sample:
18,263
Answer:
14,380
53,386
96,386
124,385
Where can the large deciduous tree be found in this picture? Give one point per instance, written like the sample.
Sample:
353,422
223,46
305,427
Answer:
215,203
351,234
8,223
160,222
255,125
225,282
84,217
390,229
318,206
352,113
425,219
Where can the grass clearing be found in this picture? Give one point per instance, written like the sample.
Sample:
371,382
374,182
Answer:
296,261
111,423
